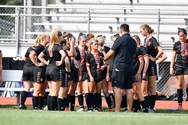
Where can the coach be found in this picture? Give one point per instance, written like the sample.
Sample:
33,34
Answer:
124,49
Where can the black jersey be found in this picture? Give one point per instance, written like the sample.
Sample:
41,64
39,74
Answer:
106,49
125,48
38,50
140,51
28,60
181,53
151,47
81,55
53,55
95,61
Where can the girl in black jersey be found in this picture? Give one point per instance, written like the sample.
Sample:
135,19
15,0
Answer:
141,62
56,57
179,64
28,73
39,73
82,51
154,51
95,68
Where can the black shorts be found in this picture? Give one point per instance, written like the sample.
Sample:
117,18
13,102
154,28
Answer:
84,76
28,72
181,70
65,78
98,76
152,69
39,74
53,73
74,75
122,78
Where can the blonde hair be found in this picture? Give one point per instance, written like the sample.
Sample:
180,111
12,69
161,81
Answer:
54,39
92,41
43,36
147,28
38,40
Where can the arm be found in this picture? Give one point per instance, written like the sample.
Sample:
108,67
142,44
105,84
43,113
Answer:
41,58
160,52
146,64
107,73
172,63
109,54
32,56
162,58
72,51
89,72
141,60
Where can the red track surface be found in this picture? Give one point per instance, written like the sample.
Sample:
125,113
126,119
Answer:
159,104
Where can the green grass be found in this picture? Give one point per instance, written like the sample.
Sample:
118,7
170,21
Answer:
10,116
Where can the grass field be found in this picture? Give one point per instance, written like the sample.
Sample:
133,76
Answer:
29,117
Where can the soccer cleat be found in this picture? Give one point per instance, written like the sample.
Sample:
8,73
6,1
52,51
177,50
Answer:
80,110
151,110
66,109
110,110
22,107
99,110
145,110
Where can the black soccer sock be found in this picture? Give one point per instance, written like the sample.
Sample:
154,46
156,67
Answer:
143,103
53,102
124,102
23,97
152,101
35,102
108,101
146,101
112,100
49,102
72,101
60,104
134,107
81,101
68,99
45,98
41,102
93,102
97,100
180,95
187,93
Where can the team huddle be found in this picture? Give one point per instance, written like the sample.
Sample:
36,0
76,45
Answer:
57,62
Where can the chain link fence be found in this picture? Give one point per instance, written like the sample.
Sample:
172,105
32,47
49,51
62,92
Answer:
22,25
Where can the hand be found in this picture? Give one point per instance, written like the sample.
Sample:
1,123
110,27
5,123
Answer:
91,79
172,71
41,64
80,77
143,75
58,63
72,41
137,77
152,58
102,67
107,78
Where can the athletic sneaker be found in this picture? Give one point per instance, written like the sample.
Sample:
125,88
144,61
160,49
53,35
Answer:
22,107
80,110
110,110
145,110
151,110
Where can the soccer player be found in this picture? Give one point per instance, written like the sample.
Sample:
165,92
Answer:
179,64
56,57
39,73
154,51
141,63
27,75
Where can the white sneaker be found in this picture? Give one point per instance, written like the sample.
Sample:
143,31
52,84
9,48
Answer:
80,110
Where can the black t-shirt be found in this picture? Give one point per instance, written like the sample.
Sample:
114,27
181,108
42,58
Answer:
95,61
151,48
106,49
81,55
38,50
181,53
28,60
53,55
140,51
125,48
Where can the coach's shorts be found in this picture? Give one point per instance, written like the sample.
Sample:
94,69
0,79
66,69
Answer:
53,73
152,69
39,74
28,72
180,70
122,78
